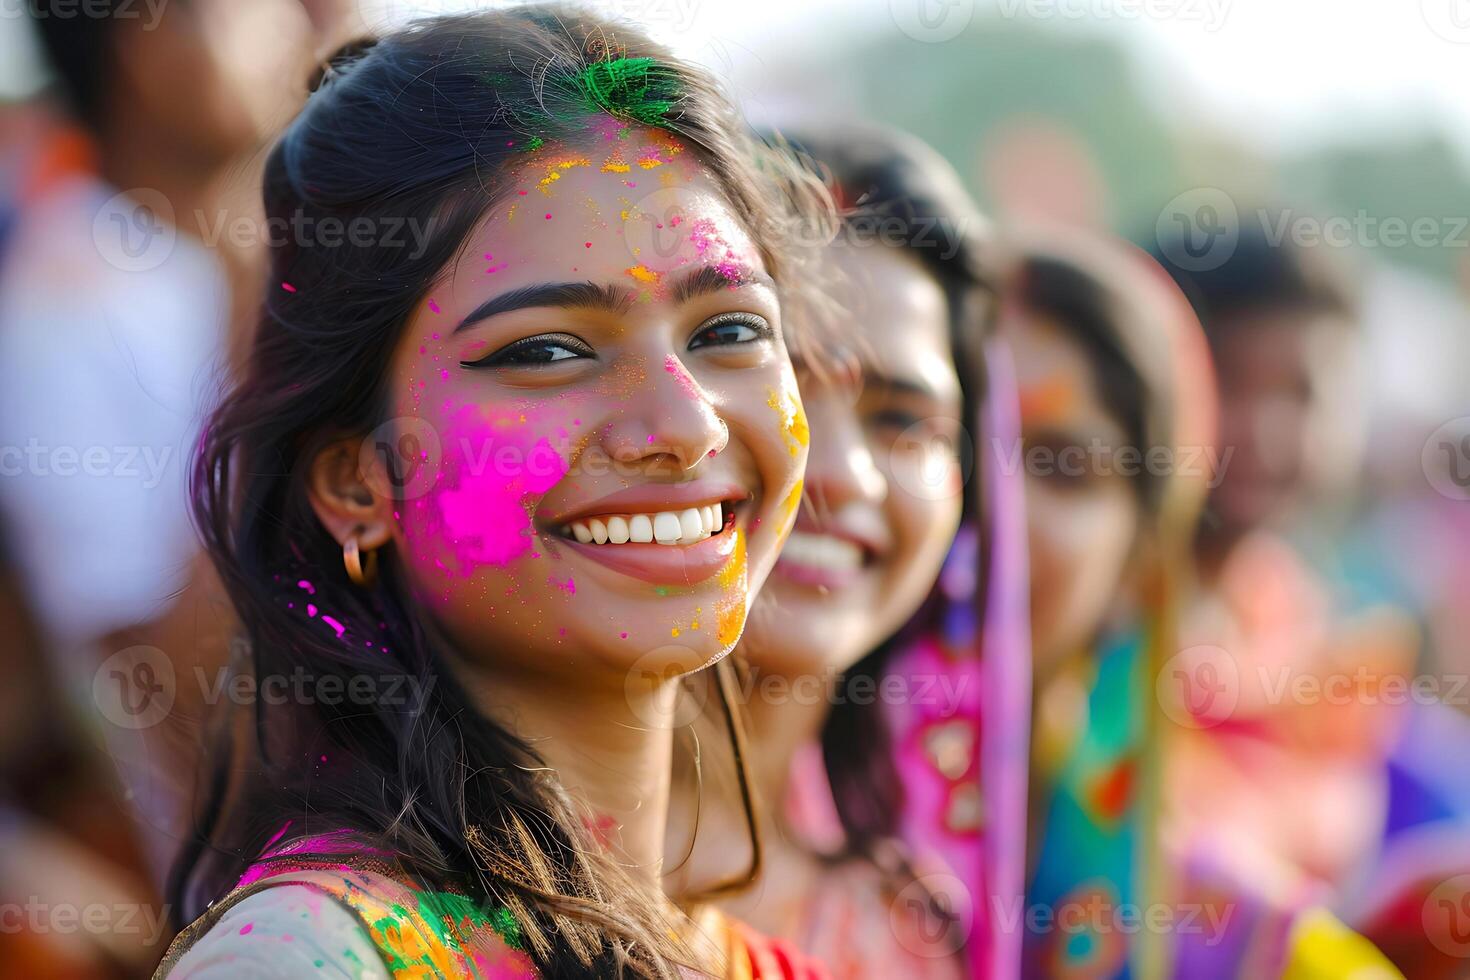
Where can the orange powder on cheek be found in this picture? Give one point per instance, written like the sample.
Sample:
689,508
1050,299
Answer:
730,609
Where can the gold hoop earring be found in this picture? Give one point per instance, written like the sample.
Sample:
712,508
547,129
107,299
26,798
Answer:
362,574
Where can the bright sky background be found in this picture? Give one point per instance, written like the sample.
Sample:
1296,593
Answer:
1279,72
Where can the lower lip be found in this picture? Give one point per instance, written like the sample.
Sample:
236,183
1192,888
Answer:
817,578
664,564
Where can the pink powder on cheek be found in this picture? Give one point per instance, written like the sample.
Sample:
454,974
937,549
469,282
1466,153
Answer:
490,468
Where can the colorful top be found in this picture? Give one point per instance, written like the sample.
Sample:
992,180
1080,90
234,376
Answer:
1226,915
346,922
961,741
338,920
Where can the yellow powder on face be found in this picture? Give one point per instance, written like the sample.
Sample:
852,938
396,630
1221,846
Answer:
788,508
794,428
555,170
731,621
670,143
643,274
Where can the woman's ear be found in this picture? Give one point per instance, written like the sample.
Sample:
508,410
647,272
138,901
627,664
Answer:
343,497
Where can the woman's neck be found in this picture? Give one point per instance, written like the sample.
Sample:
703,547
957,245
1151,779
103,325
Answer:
782,720
611,747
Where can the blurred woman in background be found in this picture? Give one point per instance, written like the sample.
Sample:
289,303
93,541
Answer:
1117,409
864,678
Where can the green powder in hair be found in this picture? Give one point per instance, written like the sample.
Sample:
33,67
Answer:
640,89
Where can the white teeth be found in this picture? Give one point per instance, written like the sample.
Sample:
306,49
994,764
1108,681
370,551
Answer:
688,526
822,551
666,529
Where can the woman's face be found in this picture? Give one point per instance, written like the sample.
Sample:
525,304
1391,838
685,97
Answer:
883,484
605,423
1082,515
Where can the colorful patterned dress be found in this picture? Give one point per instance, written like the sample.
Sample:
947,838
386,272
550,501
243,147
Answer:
359,920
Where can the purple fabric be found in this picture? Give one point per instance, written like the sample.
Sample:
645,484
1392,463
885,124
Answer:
1005,714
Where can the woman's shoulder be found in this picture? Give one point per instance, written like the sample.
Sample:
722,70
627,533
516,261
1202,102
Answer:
346,922
284,931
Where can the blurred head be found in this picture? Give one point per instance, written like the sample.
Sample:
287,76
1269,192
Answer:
1282,328
887,398
1086,334
569,441
207,79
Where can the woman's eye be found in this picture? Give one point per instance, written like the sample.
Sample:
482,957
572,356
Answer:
534,351
893,418
730,328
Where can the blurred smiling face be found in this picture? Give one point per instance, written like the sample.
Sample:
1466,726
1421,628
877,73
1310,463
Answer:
883,484
601,428
1082,520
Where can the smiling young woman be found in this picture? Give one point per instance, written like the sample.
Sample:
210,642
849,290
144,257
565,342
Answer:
854,592
501,491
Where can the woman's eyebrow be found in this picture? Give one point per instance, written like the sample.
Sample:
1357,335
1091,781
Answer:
583,295
712,279
895,385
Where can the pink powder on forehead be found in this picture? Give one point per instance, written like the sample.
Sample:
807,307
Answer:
491,466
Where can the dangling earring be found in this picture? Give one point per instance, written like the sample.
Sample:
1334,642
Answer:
361,575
